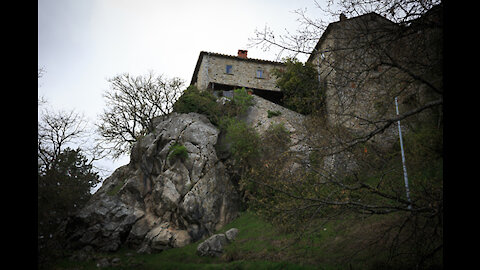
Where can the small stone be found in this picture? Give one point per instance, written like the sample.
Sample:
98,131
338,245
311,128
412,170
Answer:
115,261
231,234
103,262
213,246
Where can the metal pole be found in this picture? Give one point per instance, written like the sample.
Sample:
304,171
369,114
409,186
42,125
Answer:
405,176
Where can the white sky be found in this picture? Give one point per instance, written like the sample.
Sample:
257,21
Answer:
81,43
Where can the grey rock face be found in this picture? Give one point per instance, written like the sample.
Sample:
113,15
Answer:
214,245
294,123
231,234
257,117
155,203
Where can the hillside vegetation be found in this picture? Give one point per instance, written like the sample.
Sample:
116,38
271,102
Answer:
319,182
259,245
279,231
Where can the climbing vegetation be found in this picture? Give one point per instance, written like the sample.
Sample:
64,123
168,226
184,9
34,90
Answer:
299,83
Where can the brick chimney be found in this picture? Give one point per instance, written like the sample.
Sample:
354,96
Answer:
242,53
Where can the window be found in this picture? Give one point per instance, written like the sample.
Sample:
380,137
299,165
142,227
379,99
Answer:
259,73
229,69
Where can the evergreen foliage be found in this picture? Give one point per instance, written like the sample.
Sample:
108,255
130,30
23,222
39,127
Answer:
62,189
241,101
299,84
244,141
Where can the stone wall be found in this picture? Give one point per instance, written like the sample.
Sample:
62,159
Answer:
243,73
366,61
257,117
353,90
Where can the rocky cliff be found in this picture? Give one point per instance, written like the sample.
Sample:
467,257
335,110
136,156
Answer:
156,202
258,117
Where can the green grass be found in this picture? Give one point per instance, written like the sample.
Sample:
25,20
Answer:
259,245
255,237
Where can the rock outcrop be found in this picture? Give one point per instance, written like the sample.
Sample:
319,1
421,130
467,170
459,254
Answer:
156,202
258,117
214,245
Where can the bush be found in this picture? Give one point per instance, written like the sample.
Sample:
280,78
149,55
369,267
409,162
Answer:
300,86
202,102
244,141
271,114
177,151
275,141
242,100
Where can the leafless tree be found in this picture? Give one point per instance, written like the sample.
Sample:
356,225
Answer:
132,105
41,99
378,50
41,71
65,172
367,62
310,29
56,130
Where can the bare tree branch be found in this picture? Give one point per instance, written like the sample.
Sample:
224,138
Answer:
132,105
55,131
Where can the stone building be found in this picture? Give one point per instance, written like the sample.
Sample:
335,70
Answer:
220,72
344,64
363,62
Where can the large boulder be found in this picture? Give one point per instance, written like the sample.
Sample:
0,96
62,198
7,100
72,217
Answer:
156,202
214,245
231,234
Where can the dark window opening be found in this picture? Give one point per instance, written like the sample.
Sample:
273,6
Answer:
259,73
228,69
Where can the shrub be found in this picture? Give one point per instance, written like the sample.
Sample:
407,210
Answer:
273,113
203,102
114,191
243,140
242,100
275,140
177,151
300,86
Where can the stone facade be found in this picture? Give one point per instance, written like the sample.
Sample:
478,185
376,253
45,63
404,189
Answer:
211,72
352,87
366,61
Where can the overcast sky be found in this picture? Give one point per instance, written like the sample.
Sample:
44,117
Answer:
81,43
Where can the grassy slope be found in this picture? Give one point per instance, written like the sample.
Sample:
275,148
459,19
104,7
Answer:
258,246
